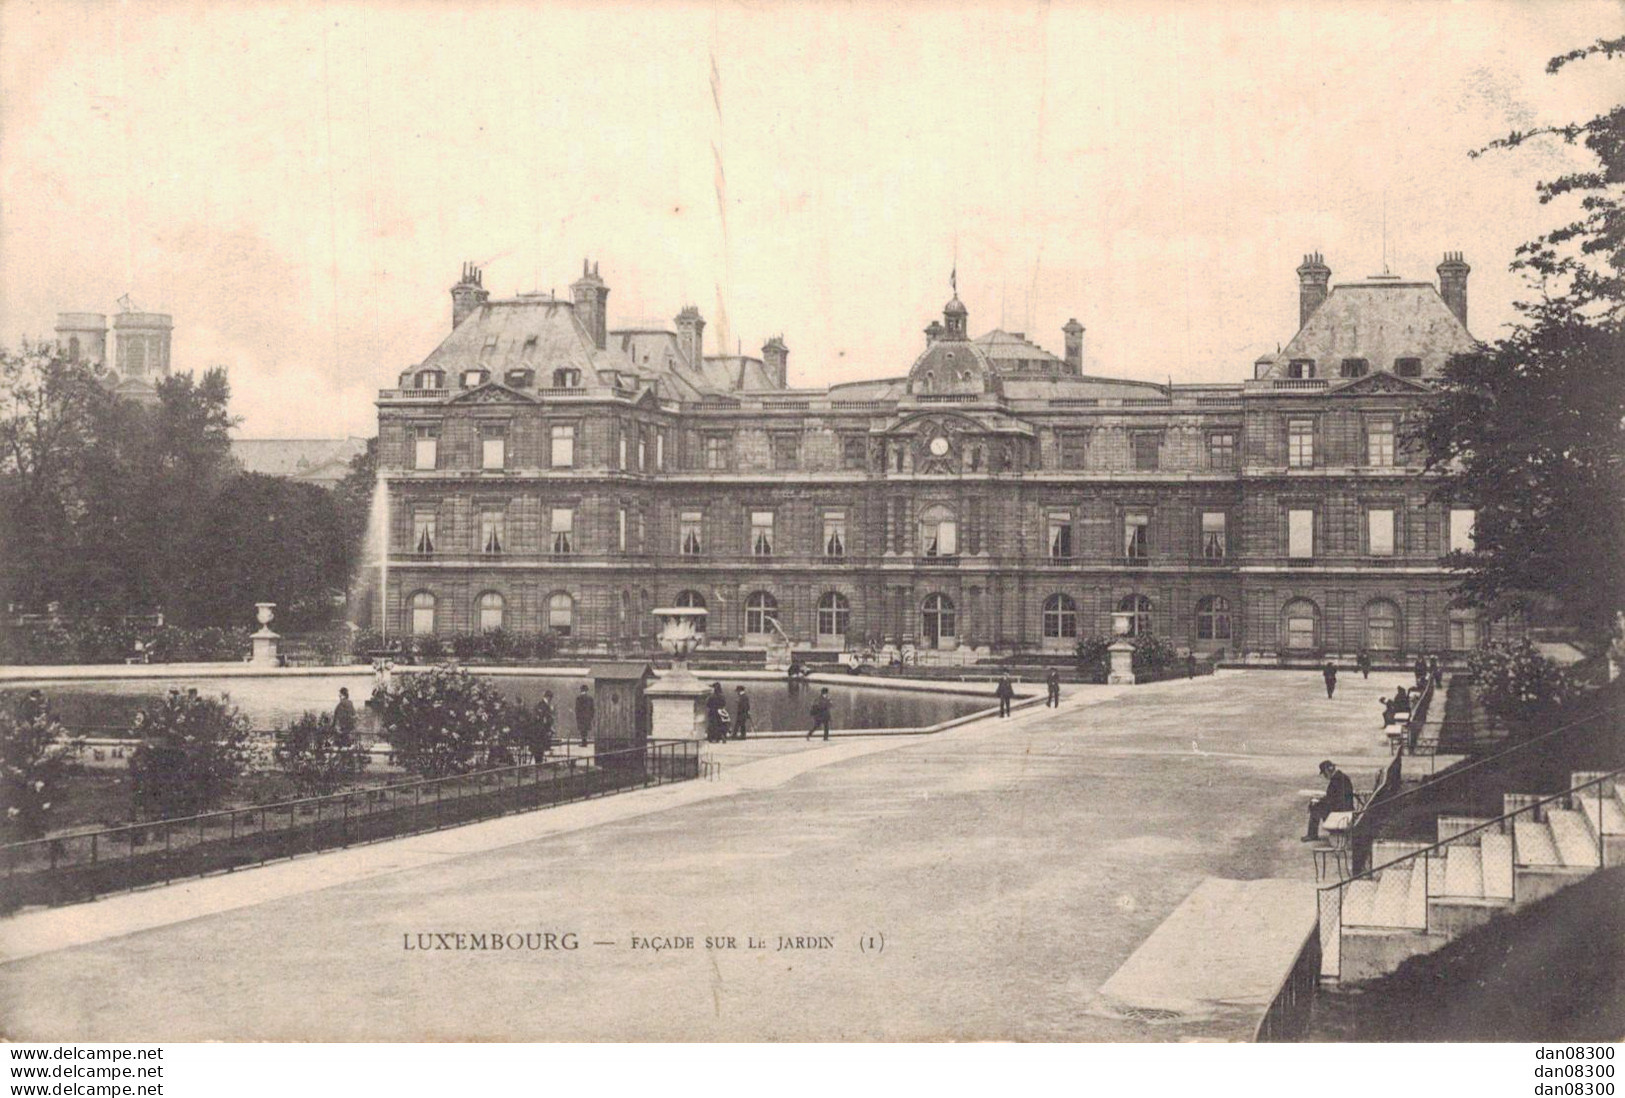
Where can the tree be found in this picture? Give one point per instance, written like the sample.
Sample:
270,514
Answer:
1530,430
37,757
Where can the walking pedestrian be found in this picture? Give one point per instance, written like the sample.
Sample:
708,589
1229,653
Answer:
585,709
1005,691
741,713
1190,665
1436,669
1421,672
1330,675
344,713
1053,681
820,713
546,721
716,715
1363,662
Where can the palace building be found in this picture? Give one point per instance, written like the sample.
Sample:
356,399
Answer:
547,471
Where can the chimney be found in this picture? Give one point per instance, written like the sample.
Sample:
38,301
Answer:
591,296
776,360
1074,346
1453,274
1313,277
691,335
469,294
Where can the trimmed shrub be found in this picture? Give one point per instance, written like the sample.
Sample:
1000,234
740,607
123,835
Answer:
445,721
192,753
318,756
1093,660
1153,655
37,757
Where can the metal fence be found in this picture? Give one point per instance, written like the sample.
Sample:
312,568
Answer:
70,868
1288,1015
1475,863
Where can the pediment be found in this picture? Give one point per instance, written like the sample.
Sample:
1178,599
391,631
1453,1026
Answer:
493,392
1379,383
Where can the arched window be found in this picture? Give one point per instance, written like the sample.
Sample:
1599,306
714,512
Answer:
761,614
566,378
561,612
1381,626
1213,618
937,625
1060,618
1300,626
1140,607
693,600
925,382
490,612
834,614
939,532
422,614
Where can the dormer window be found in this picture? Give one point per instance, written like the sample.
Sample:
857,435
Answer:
473,379
431,379
1408,367
566,378
1354,367
1300,368
519,378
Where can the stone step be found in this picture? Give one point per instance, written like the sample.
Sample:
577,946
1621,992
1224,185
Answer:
1416,899
1463,872
1448,827
1534,843
1581,777
1388,907
1358,897
1495,858
1384,851
1604,813
1576,842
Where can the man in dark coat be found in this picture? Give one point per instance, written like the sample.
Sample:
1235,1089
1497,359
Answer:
820,713
1004,693
716,715
1421,671
585,709
344,713
546,716
1053,682
741,713
1339,797
1364,664
1436,669
1329,673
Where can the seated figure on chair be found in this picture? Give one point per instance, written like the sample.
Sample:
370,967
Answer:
1339,797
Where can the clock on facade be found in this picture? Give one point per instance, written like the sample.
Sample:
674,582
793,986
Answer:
939,446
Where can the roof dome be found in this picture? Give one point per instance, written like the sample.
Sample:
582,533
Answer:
955,306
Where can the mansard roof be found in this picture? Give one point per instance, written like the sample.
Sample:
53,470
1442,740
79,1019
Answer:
1014,351
531,331
1380,320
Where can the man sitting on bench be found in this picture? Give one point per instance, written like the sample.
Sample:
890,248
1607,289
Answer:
1339,797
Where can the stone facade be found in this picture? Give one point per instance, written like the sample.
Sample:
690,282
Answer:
545,470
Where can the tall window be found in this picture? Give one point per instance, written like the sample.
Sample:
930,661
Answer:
716,451
1300,443
493,446
939,532
1060,618
835,534
1146,445
490,612
937,623
493,531
1464,634
1300,534
1380,531
1462,520
1300,620
1140,607
694,600
660,449
1060,535
425,447
643,450
563,528
1221,450
1136,539
1301,367
786,451
1379,442
620,449
761,614
423,531
1408,367
690,537
1074,449
564,446
761,533
1213,618
834,615
1215,545
1353,367
620,529
561,613
422,614
854,452
1382,626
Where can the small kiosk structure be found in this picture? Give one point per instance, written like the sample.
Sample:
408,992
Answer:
621,719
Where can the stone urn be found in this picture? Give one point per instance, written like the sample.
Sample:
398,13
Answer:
1121,649
677,697
264,641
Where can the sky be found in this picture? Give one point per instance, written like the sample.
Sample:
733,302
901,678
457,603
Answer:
299,184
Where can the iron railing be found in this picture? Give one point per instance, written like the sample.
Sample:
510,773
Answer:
1400,894
69,868
1287,1017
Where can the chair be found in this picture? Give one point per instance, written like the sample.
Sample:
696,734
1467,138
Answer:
1334,851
